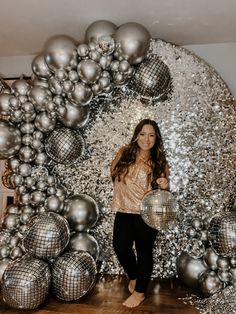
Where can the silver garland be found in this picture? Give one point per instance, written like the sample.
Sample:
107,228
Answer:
197,122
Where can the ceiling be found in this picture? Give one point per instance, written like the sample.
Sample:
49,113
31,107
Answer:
25,25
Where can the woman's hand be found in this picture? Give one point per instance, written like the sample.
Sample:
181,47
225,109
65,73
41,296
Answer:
163,183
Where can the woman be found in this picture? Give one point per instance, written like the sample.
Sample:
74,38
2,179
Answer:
137,168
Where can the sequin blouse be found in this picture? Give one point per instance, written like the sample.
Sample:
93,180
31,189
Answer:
128,193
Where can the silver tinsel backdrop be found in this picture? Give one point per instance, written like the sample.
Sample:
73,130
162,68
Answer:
198,125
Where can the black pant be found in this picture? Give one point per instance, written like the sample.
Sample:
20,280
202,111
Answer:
129,229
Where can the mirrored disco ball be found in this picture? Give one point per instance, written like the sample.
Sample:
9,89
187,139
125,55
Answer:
64,145
26,283
47,236
158,209
222,233
151,79
73,275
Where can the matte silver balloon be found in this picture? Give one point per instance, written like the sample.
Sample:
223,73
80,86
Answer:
85,242
10,139
89,71
59,51
189,269
4,104
81,94
133,41
210,258
3,265
98,29
27,154
26,283
20,87
44,122
40,67
73,275
47,236
74,116
210,283
81,211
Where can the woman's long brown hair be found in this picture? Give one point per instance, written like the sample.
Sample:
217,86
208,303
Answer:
128,157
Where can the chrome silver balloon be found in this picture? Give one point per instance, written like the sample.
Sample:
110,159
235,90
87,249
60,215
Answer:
27,154
74,116
20,87
40,67
10,139
81,94
3,265
4,104
133,41
53,204
11,222
210,283
41,159
58,51
83,50
55,86
37,198
83,241
98,29
44,122
210,258
39,96
25,169
16,252
27,128
89,71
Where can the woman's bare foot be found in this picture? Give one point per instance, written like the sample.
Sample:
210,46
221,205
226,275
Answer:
134,299
131,286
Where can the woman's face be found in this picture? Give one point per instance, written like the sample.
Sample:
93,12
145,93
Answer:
146,138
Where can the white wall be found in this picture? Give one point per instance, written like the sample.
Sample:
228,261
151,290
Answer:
222,57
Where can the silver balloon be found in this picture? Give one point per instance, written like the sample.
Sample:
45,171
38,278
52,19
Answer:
53,204
98,29
10,139
83,50
59,51
4,251
222,233
20,87
224,275
26,283
158,209
81,94
47,236
74,116
3,265
37,198
44,122
41,159
210,283
27,154
12,209
73,275
81,211
189,269
40,68
151,79
89,71
64,145
11,222
4,104
83,241
55,86
133,42
223,263
39,96
105,45
210,258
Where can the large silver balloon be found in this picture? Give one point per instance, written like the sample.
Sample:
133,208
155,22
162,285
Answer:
10,139
26,283
47,236
4,104
133,41
158,209
89,71
151,79
81,94
189,269
40,67
81,211
210,283
74,116
73,275
64,145
85,242
99,29
222,233
59,51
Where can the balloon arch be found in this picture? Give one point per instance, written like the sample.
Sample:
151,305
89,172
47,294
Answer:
61,131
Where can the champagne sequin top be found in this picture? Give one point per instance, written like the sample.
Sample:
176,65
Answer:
128,194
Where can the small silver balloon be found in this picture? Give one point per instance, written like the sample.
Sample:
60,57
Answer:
59,51
81,211
53,204
11,221
83,241
10,139
210,258
27,154
81,94
74,116
40,67
83,50
210,283
20,87
89,71
44,122
98,29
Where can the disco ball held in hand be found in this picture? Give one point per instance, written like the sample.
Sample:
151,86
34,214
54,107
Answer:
64,145
222,233
26,283
73,275
151,79
47,236
158,209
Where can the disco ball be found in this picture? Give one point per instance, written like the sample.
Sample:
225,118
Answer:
25,283
73,275
64,145
158,209
47,236
222,233
151,79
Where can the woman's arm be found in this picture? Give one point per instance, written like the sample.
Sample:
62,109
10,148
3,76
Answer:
163,180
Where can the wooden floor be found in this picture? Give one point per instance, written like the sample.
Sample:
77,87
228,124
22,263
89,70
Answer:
107,297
